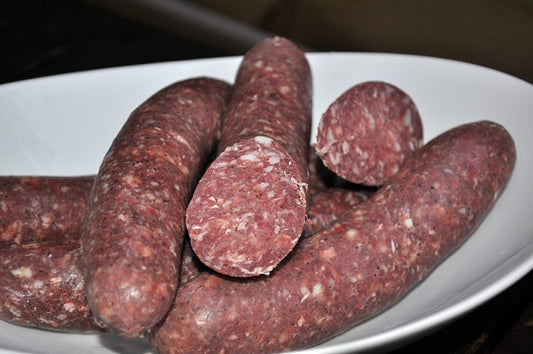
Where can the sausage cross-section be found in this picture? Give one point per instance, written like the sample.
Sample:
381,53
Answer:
249,207
368,132
133,228
359,265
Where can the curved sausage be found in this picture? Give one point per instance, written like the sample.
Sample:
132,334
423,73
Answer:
357,267
330,204
34,209
42,285
249,207
133,228
368,132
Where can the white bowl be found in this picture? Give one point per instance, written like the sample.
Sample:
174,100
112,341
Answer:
63,125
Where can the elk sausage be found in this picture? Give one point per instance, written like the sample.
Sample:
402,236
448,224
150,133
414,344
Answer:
133,228
249,207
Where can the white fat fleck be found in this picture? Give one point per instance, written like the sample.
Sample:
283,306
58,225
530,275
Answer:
276,229
46,220
317,290
462,211
351,234
263,185
407,118
259,64
301,321
154,183
38,284
201,235
274,160
263,140
69,307
372,122
345,147
335,158
330,137
408,222
249,157
397,146
150,196
284,89
122,217
447,170
392,246
305,292
184,169
64,189
184,141
61,317
22,272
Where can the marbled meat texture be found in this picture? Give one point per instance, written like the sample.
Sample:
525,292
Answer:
249,208
35,209
368,132
133,228
42,286
357,267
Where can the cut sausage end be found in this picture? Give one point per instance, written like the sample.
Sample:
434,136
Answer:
257,213
367,133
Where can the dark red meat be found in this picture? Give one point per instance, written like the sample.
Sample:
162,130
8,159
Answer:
249,208
368,132
41,208
133,228
357,267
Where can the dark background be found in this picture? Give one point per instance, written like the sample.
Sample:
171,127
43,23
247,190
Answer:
40,38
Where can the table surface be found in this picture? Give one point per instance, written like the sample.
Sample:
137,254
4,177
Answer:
68,36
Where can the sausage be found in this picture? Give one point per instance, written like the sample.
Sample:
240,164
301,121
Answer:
42,285
33,209
331,204
249,208
368,132
133,227
357,267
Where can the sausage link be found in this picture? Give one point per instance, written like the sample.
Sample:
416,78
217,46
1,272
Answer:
133,229
368,132
34,209
249,208
357,267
